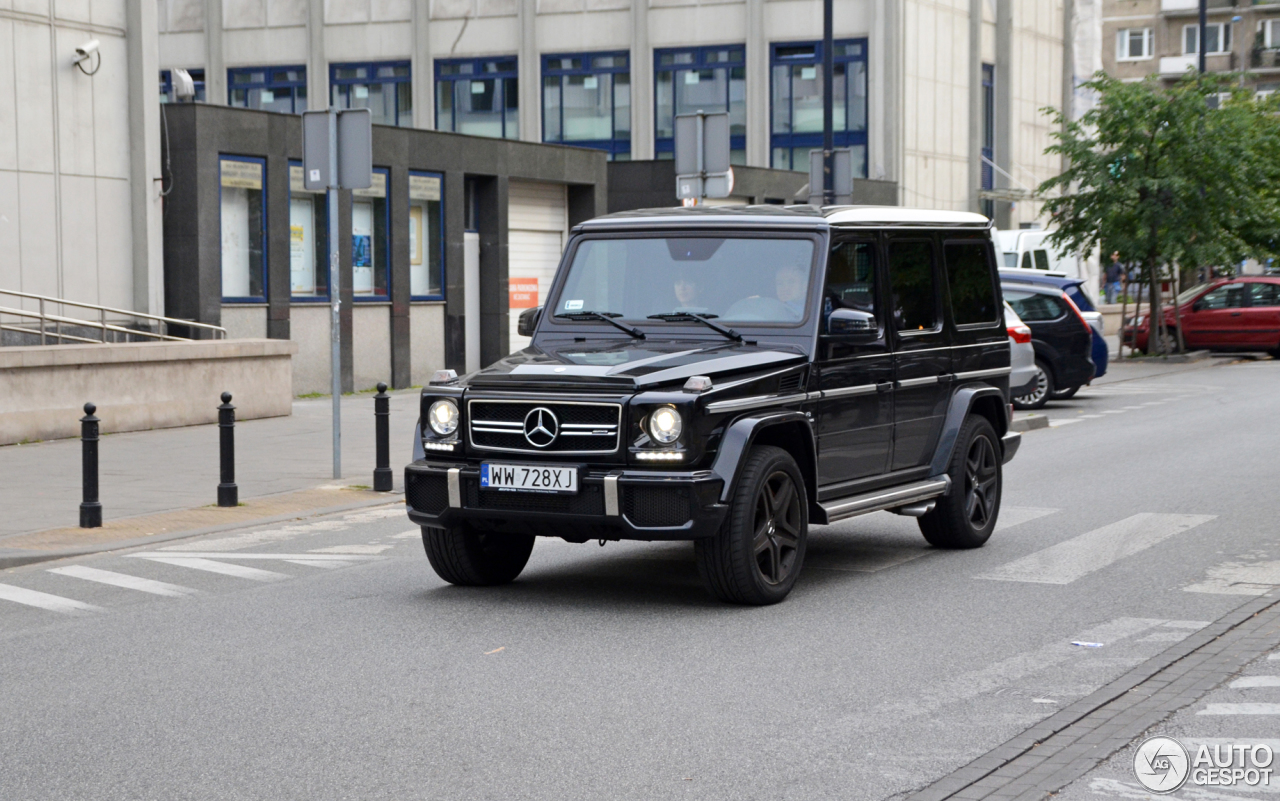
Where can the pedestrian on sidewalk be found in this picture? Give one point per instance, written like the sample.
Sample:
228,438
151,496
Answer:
1115,272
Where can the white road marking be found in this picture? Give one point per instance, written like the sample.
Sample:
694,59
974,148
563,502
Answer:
1274,657
1059,422
239,571
1255,681
123,580
282,556
1114,788
1113,411
1090,416
1011,516
1240,709
353,549
1131,408
327,565
1239,578
43,600
414,534
1166,636
1067,561
1187,624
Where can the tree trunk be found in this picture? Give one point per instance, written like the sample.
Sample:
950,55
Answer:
1157,338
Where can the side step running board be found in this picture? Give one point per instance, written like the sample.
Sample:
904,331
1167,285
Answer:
886,499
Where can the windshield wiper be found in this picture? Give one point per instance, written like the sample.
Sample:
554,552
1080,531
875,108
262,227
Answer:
705,319
607,317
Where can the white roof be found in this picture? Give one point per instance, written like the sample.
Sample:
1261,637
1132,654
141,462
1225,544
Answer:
889,215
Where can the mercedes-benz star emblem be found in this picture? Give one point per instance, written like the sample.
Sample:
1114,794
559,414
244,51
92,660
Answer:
541,427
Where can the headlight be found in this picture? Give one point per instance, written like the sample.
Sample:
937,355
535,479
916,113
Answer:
443,417
665,425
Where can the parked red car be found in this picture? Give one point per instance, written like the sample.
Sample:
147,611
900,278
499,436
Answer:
1234,314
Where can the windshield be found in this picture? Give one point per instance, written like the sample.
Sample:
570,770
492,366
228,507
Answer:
1188,294
733,279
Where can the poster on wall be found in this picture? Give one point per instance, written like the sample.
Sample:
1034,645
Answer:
241,224
522,293
415,235
362,247
302,253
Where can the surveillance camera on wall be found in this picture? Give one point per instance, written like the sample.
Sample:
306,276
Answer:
184,88
85,50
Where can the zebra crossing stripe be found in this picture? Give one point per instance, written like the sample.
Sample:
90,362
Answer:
1240,709
1255,681
311,557
1067,561
43,600
225,568
123,580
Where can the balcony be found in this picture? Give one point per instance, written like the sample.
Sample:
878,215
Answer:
1265,58
1175,66
1193,6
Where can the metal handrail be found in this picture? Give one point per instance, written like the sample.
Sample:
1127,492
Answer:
101,323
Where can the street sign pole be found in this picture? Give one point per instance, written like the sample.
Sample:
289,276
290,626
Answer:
335,325
702,166
828,135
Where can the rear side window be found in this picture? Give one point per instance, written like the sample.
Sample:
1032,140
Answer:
1035,308
915,305
973,293
1264,294
1042,260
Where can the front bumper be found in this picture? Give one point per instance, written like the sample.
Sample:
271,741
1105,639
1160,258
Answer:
611,504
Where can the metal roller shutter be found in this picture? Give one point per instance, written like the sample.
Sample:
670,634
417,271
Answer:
537,224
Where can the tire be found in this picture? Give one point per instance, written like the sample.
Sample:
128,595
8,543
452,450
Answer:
1038,397
470,557
756,556
1065,394
966,516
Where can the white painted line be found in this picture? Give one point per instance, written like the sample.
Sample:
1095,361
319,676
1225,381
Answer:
327,565
1240,709
1059,423
1274,657
239,571
1011,516
1239,578
1067,561
234,555
123,580
1194,625
1131,408
1090,416
43,600
408,535
1113,411
1255,681
352,550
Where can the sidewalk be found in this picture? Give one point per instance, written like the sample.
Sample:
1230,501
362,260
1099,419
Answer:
158,483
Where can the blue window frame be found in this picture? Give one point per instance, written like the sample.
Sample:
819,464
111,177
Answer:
282,89
708,78
166,85
426,235
586,101
988,135
371,238
385,88
478,96
796,115
242,205
308,240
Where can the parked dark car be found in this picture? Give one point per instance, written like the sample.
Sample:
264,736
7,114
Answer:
729,377
1074,289
1063,340
1230,314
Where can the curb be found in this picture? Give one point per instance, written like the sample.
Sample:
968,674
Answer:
15,558
1173,358
1029,423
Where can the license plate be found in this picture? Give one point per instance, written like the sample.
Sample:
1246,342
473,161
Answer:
528,477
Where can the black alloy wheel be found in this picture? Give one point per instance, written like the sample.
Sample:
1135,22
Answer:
1065,394
981,479
757,554
966,515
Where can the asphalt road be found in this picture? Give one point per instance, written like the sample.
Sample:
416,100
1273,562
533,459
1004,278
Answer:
325,660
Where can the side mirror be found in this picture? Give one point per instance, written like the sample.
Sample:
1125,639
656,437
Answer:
852,324
1197,306
528,321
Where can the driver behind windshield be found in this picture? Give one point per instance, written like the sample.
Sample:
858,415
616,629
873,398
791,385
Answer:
688,292
790,284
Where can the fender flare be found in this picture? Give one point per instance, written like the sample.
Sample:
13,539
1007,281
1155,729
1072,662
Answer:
962,401
741,434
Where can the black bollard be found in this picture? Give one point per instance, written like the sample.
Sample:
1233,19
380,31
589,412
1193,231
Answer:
382,432
90,509
228,493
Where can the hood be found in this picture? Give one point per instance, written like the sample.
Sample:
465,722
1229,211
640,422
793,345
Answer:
628,364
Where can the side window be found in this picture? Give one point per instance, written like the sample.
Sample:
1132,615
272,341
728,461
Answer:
1264,294
1035,308
851,278
1042,259
1230,296
973,294
911,280
1026,260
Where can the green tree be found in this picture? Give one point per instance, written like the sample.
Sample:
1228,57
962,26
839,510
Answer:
1187,175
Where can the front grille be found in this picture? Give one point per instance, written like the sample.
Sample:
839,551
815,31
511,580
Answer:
589,500
657,507
583,427
426,493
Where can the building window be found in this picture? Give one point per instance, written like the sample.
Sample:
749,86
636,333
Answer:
308,240
243,206
426,240
712,79
370,238
1269,33
586,101
988,136
796,122
383,88
282,89
478,96
1134,44
166,85
1217,37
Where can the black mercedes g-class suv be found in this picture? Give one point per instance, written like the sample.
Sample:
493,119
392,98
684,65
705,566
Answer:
729,376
